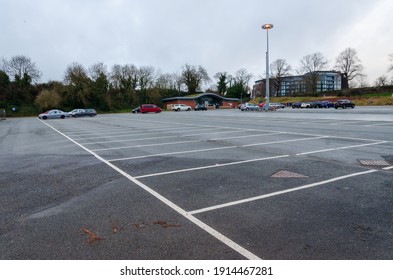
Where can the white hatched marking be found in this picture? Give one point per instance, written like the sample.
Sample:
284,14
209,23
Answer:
370,162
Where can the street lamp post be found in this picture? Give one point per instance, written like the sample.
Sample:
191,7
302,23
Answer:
267,27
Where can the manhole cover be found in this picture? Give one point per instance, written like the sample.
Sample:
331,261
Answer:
371,162
288,174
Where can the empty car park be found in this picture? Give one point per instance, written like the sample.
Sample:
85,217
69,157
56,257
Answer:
219,185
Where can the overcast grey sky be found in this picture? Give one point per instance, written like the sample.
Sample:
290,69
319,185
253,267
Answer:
220,35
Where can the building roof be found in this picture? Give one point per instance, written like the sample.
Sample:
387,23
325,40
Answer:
196,96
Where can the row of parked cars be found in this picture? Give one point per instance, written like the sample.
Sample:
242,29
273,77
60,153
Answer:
342,103
59,114
261,106
152,108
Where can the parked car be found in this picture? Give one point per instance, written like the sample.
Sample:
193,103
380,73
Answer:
344,103
149,108
276,105
53,114
305,105
75,111
83,113
181,107
200,107
321,104
324,104
297,105
249,107
136,110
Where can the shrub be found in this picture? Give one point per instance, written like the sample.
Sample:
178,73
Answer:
47,99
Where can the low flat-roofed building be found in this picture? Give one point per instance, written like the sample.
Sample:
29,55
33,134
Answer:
210,100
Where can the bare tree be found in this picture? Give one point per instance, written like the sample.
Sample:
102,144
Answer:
194,77
75,73
313,63
243,77
20,66
124,76
177,81
381,81
279,69
146,78
97,70
164,81
359,81
309,66
78,81
349,64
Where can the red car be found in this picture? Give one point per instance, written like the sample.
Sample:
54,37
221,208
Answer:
147,108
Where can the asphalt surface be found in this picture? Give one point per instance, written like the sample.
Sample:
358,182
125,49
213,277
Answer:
222,184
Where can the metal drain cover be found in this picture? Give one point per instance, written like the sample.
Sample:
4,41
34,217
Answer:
288,174
372,162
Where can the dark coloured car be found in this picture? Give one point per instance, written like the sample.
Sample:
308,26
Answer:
327,104
84,113
321,104
136,110
200,107
344,103
297,105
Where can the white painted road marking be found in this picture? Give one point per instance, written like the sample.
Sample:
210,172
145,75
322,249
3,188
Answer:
210,166
236,247
279,192
146,145
341,148
285,141
173,153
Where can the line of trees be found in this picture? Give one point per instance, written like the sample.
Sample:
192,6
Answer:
128,85
121,87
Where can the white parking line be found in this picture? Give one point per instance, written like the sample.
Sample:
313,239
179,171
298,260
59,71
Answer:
131,140
173,153
341,148
285,141
388,168
247,136
230,243
237,202
209,166
380,124
216,132
147,145
128,134
262,130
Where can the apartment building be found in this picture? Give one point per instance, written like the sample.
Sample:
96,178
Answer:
313,82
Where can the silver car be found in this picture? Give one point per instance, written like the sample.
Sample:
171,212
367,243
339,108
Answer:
181,107
53,114
75,112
